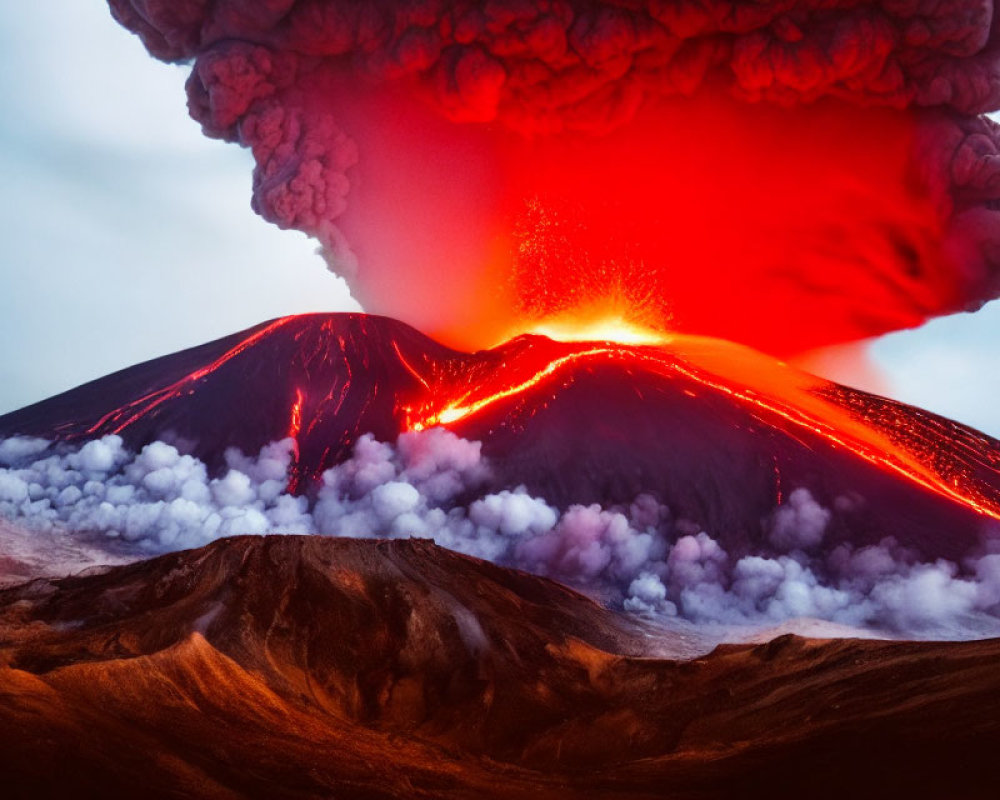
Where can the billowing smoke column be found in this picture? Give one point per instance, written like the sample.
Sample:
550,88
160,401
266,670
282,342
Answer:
787,174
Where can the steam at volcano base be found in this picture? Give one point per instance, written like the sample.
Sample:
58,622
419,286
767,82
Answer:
637,557
786,175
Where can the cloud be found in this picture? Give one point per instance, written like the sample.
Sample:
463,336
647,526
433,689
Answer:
478,134
800,523
432,484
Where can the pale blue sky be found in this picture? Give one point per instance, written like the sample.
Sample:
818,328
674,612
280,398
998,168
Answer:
125,234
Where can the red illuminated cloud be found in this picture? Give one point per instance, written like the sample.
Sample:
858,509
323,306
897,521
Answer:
787,174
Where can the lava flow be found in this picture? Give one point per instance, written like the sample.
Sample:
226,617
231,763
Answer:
908,444
117,420
475,400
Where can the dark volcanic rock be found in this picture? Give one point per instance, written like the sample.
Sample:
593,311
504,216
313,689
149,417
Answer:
718,433
239,391
293,667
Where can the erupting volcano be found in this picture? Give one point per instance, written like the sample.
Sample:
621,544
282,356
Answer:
592,455
347,375
592,240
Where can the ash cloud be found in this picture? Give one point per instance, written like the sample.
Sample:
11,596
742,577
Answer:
580,62
435,485
284,79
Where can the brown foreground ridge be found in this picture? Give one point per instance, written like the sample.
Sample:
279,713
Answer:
302,667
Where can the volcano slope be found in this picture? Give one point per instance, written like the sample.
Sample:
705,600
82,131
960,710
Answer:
292,667
719,433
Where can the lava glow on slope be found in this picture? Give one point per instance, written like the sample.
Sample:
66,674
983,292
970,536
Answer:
294,429
474,401
911,446
120,418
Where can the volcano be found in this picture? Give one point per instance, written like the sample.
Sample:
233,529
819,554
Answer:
718,432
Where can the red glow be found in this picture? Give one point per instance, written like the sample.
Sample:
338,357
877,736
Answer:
409,367
295,423
474,400
784,229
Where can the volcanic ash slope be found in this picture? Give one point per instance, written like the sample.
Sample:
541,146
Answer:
292,667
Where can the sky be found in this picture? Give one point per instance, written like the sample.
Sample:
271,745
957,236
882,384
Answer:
125,234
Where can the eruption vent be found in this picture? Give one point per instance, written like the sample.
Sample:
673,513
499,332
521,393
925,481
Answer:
787,175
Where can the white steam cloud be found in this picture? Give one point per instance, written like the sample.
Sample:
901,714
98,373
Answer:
433,484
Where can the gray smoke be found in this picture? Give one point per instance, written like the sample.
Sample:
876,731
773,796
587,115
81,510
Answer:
433,484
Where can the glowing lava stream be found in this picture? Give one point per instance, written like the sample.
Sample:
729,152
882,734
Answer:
608,331
457,411
122,418
294,429
755,380
295,422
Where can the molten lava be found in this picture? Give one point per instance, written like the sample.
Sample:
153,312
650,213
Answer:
295,423
294,429
597,327
473,400
914,446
